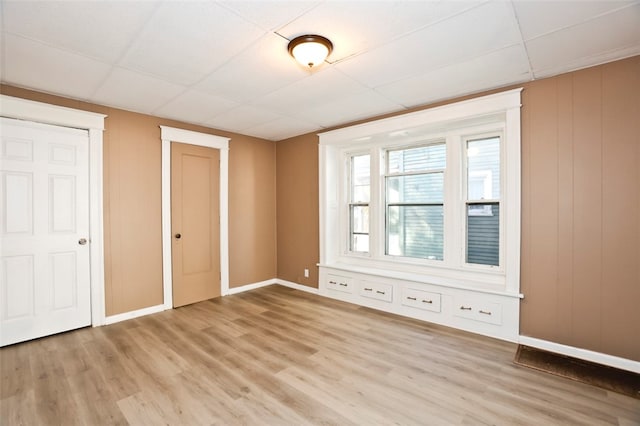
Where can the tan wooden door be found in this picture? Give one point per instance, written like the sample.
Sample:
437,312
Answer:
195,223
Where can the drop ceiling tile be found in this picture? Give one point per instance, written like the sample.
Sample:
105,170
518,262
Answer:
260,69
234,74
613,35
324,85
101,30
349,108
242,117
282,128
540,17
475,32
354,26
28,63
135,92
185,41
496,69
269,14
194,107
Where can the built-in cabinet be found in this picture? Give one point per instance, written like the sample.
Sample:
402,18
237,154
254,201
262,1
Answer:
398,200
478,311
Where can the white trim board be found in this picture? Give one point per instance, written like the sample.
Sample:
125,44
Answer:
172,134
23,109
297,286
134,314
277,281
249,287
234,290
587,355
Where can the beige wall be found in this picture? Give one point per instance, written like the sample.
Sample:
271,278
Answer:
252,211
581,208
132,210
297,202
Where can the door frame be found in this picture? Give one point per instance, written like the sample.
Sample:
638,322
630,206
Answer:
173,134
39,112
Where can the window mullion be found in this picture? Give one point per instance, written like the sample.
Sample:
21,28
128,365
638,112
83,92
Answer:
453,205
376,208
345,199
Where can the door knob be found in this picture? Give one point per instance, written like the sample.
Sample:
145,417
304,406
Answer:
178,236
82,241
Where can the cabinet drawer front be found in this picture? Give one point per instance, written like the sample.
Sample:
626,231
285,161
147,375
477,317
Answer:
376,291
478,310
465,308
338,283
421,299
490,312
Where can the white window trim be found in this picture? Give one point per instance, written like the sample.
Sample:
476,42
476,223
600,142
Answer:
502,201
348,193
497,112
23,109
381,205
172,134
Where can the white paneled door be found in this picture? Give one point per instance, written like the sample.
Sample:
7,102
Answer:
44,230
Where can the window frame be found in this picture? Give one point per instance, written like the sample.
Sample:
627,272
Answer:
499,133
457,123
385,175
350,203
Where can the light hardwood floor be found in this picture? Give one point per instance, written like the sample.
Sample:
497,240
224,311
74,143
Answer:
279,356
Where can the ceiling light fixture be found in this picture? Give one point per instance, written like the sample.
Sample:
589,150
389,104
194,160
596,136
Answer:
310,50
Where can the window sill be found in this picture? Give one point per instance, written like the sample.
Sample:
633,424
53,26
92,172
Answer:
442,280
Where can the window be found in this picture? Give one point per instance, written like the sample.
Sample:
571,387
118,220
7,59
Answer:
483,201
359,203
433,195
414,200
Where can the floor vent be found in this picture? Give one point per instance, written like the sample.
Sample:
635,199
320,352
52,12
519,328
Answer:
602,376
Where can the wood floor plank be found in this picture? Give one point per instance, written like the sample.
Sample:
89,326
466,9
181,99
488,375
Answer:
15,370
94,401
19,409
278,356
346,402
314,411
111,365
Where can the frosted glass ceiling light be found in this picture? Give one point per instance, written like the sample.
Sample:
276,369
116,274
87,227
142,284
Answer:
310,50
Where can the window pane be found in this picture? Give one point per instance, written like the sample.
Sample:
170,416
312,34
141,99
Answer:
431,157
360,219
360,177
415,231
427,188
360,228
360,243
483,234
483,169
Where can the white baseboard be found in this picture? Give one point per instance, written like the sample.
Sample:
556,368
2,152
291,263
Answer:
253,286
296,286
134,314
278,281
597,357
235,290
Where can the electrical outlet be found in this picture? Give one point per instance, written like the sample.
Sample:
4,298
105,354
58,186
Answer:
306,273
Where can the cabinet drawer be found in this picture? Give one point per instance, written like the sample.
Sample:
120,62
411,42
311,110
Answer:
376,291
421,299
339,283
478,310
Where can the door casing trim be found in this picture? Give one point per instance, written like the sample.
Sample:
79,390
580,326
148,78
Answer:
172,134
39,112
